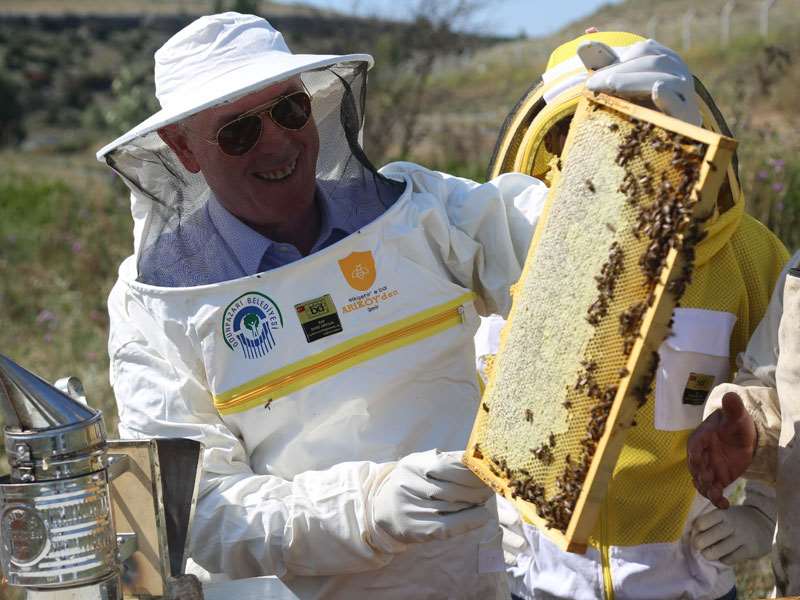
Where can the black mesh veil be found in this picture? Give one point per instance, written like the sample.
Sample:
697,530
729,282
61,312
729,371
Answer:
175,244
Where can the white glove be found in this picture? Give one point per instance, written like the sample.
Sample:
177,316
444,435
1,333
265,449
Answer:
514,540
733,535
643,71
430,496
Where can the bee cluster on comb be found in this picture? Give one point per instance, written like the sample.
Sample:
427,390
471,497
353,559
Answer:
612,254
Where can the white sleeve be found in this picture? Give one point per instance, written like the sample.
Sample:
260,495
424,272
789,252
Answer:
246,525
500,216
491,226
761,496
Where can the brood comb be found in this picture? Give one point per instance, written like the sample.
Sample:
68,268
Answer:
610,258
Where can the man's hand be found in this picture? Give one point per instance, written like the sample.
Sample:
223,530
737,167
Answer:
721,448
430,496
645,71
733,535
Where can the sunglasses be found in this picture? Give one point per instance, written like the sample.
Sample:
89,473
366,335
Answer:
290,112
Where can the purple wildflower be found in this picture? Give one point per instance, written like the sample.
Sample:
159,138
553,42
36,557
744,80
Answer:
777,164
45,316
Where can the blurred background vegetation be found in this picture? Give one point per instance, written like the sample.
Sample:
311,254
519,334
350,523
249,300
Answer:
73,79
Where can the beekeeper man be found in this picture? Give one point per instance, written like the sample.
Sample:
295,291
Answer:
310,320
656,538
751,425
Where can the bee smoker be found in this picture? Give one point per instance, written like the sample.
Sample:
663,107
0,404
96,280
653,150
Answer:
68,488
86,518
55,511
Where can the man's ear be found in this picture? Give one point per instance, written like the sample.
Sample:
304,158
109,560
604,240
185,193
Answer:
174,137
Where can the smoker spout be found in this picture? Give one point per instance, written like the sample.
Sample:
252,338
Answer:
31,404
48,435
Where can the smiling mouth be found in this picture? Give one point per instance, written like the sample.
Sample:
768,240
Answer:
277,174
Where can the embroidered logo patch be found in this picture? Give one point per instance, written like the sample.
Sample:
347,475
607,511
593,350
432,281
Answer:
318,317
359,270
249,324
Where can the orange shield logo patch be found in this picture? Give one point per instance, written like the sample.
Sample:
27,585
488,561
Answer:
359,270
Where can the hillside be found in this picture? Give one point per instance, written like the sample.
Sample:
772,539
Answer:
753,80
521,61
73,77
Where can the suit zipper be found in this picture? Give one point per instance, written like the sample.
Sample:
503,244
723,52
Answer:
331,364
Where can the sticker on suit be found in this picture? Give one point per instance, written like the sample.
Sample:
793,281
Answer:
360,272
698,387
683,382
250,324
318,318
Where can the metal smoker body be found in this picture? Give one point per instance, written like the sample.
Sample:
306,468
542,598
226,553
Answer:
86,518
55,511
57,507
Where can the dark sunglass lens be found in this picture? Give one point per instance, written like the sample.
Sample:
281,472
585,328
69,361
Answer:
293,111
240,136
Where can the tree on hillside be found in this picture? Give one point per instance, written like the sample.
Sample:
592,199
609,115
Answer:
133,97
406,60
11,111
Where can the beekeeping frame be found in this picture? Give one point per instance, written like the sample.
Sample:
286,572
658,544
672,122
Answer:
610,257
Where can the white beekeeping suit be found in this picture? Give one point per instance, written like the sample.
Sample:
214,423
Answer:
322,388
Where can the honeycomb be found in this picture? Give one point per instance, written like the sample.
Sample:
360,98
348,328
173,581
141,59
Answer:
610,258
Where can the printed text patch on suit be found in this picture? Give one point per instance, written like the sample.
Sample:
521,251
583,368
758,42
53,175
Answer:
318,318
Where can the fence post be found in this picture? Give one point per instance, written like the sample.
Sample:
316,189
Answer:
652,24
725,21
688,19
766,5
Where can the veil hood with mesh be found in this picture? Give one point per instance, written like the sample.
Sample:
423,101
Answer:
218,59
172,233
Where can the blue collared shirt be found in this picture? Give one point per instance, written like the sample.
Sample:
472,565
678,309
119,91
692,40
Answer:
256,253
211,245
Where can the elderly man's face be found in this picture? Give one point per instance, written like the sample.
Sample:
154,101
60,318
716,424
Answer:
270,186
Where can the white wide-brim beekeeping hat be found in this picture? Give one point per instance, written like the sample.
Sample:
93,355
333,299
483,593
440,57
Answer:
218,59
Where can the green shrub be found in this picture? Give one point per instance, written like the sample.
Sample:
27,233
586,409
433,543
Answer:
61,244
11,111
